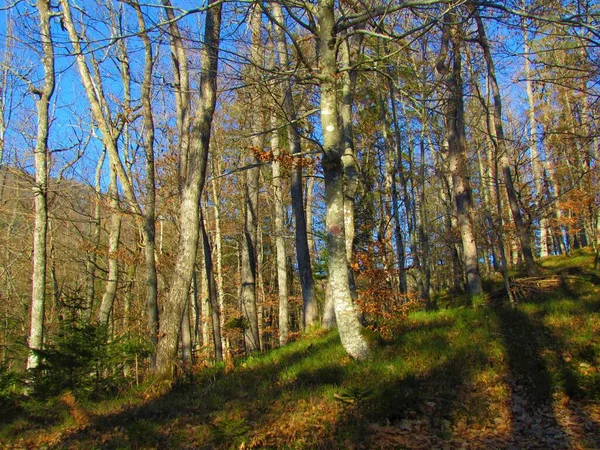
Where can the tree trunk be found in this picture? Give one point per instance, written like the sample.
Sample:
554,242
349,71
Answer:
112,279
353,340
536,165
186,338
36,330
276,186
457,158
309,300
249,276
150,202
219,259
500,142
90,292
211,289
190,197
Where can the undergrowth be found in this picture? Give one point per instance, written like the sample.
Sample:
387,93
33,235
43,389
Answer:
448,370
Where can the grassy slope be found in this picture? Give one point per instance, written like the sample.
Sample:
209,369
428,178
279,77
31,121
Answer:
457,377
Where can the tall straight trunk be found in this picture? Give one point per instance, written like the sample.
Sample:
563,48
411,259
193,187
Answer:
399,169
112,278
128,297
181,90
36,329
310,188
191,191
423,237
536,165
500,142
219,258
249,276
457,157
214,311
309,300
392,213
194,299
282,283
350,329
90,292
149,228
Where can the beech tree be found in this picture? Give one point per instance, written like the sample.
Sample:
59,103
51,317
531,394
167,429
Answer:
38,291
192,183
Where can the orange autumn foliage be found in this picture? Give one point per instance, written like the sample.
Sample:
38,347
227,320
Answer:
378,297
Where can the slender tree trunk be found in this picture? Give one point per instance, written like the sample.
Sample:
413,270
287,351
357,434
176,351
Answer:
536,166
95,237
349,327
219,258
150,201
500,142
457,158
249,275
399,169
191,191
310,187
282,284
213,314
36,329
309,300
186,338
112,279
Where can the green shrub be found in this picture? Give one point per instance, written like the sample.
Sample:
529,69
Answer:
85,361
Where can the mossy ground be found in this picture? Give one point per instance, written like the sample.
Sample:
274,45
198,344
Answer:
460,377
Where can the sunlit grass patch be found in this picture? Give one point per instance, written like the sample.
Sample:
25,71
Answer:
444,372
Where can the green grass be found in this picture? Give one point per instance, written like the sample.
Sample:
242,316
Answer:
448,372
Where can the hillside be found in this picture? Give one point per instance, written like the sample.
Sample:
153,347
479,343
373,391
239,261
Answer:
459,377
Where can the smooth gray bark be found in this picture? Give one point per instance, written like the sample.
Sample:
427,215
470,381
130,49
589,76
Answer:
249,255
90,292
191,190
353,339
303,256
112,278
38,290
149,228
276,186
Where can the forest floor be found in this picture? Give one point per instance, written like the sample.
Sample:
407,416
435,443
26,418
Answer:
455,378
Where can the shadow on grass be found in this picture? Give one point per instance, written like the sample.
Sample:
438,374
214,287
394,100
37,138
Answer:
539,372
213,409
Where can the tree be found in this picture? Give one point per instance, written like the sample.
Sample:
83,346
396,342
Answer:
38,291
193,179
353,340
455,141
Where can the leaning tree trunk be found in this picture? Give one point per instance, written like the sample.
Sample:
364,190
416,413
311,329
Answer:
36,330
191,191
500,142
353,340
